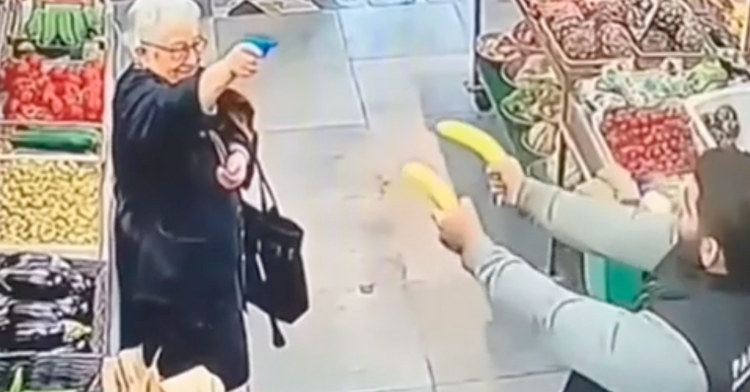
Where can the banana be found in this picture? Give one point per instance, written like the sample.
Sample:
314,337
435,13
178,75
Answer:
473,138
427,181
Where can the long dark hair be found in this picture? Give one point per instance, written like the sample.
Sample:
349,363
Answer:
723,177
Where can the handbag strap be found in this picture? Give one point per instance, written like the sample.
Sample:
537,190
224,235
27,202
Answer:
265,189
266,192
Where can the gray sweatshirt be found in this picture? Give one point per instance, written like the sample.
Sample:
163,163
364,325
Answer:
621,350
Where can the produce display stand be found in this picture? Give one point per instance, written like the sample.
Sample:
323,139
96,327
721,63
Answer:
59,93
579,136
56,75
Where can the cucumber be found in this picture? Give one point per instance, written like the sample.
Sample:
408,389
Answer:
71,141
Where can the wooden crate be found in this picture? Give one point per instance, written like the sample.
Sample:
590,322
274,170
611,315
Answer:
67,221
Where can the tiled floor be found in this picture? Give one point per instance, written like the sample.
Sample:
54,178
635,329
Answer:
348,98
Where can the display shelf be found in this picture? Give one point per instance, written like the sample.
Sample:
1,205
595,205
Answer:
58,203
56,27
51,202
94,125
75,88
577,66
578,134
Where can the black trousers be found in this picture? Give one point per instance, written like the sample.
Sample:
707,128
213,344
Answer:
126,258
220,344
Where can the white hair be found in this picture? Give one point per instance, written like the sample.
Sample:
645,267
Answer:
145,16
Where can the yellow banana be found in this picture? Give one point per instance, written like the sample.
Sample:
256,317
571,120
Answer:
427,181
473,138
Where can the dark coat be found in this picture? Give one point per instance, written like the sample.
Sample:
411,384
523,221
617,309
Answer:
177,229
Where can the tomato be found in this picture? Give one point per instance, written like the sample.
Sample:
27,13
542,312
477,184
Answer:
649,140
62,92
74,113
56,106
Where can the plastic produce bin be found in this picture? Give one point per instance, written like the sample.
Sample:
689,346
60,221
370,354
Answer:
611,281
516,129
496,80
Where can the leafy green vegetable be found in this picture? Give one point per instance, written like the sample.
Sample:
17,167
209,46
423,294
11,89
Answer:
17,384
533,101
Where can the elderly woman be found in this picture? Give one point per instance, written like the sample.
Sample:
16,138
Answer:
178,249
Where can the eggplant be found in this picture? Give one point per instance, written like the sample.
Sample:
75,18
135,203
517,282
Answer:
44,336
78,282
37,336
28,260
69,306
36,284
21,311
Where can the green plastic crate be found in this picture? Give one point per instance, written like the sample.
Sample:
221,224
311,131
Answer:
612,281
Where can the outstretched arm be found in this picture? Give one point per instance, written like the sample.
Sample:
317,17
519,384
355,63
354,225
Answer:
155,109
620,350
637,238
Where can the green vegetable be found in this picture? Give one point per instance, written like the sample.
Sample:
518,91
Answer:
17,384
534,101
93,19
72,141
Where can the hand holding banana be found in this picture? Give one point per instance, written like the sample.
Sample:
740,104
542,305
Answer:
505,172
427,182
459,227
457,220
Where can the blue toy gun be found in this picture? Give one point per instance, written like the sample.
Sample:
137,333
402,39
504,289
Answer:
260,45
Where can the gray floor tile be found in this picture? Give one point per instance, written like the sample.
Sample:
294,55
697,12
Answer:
321,164
463,340
344,186
348,342
302,37
304,95
552,382
431,84
307,83
414,30
348,244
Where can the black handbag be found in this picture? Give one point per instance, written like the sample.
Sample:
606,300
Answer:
274,272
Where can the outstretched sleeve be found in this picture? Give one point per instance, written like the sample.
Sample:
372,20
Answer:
620,350
637,238
156,111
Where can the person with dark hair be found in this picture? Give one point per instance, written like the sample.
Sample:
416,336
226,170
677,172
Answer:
692,332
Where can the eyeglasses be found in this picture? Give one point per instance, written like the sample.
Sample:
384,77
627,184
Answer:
180,52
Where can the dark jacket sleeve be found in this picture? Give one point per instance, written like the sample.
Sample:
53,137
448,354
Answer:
155,109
